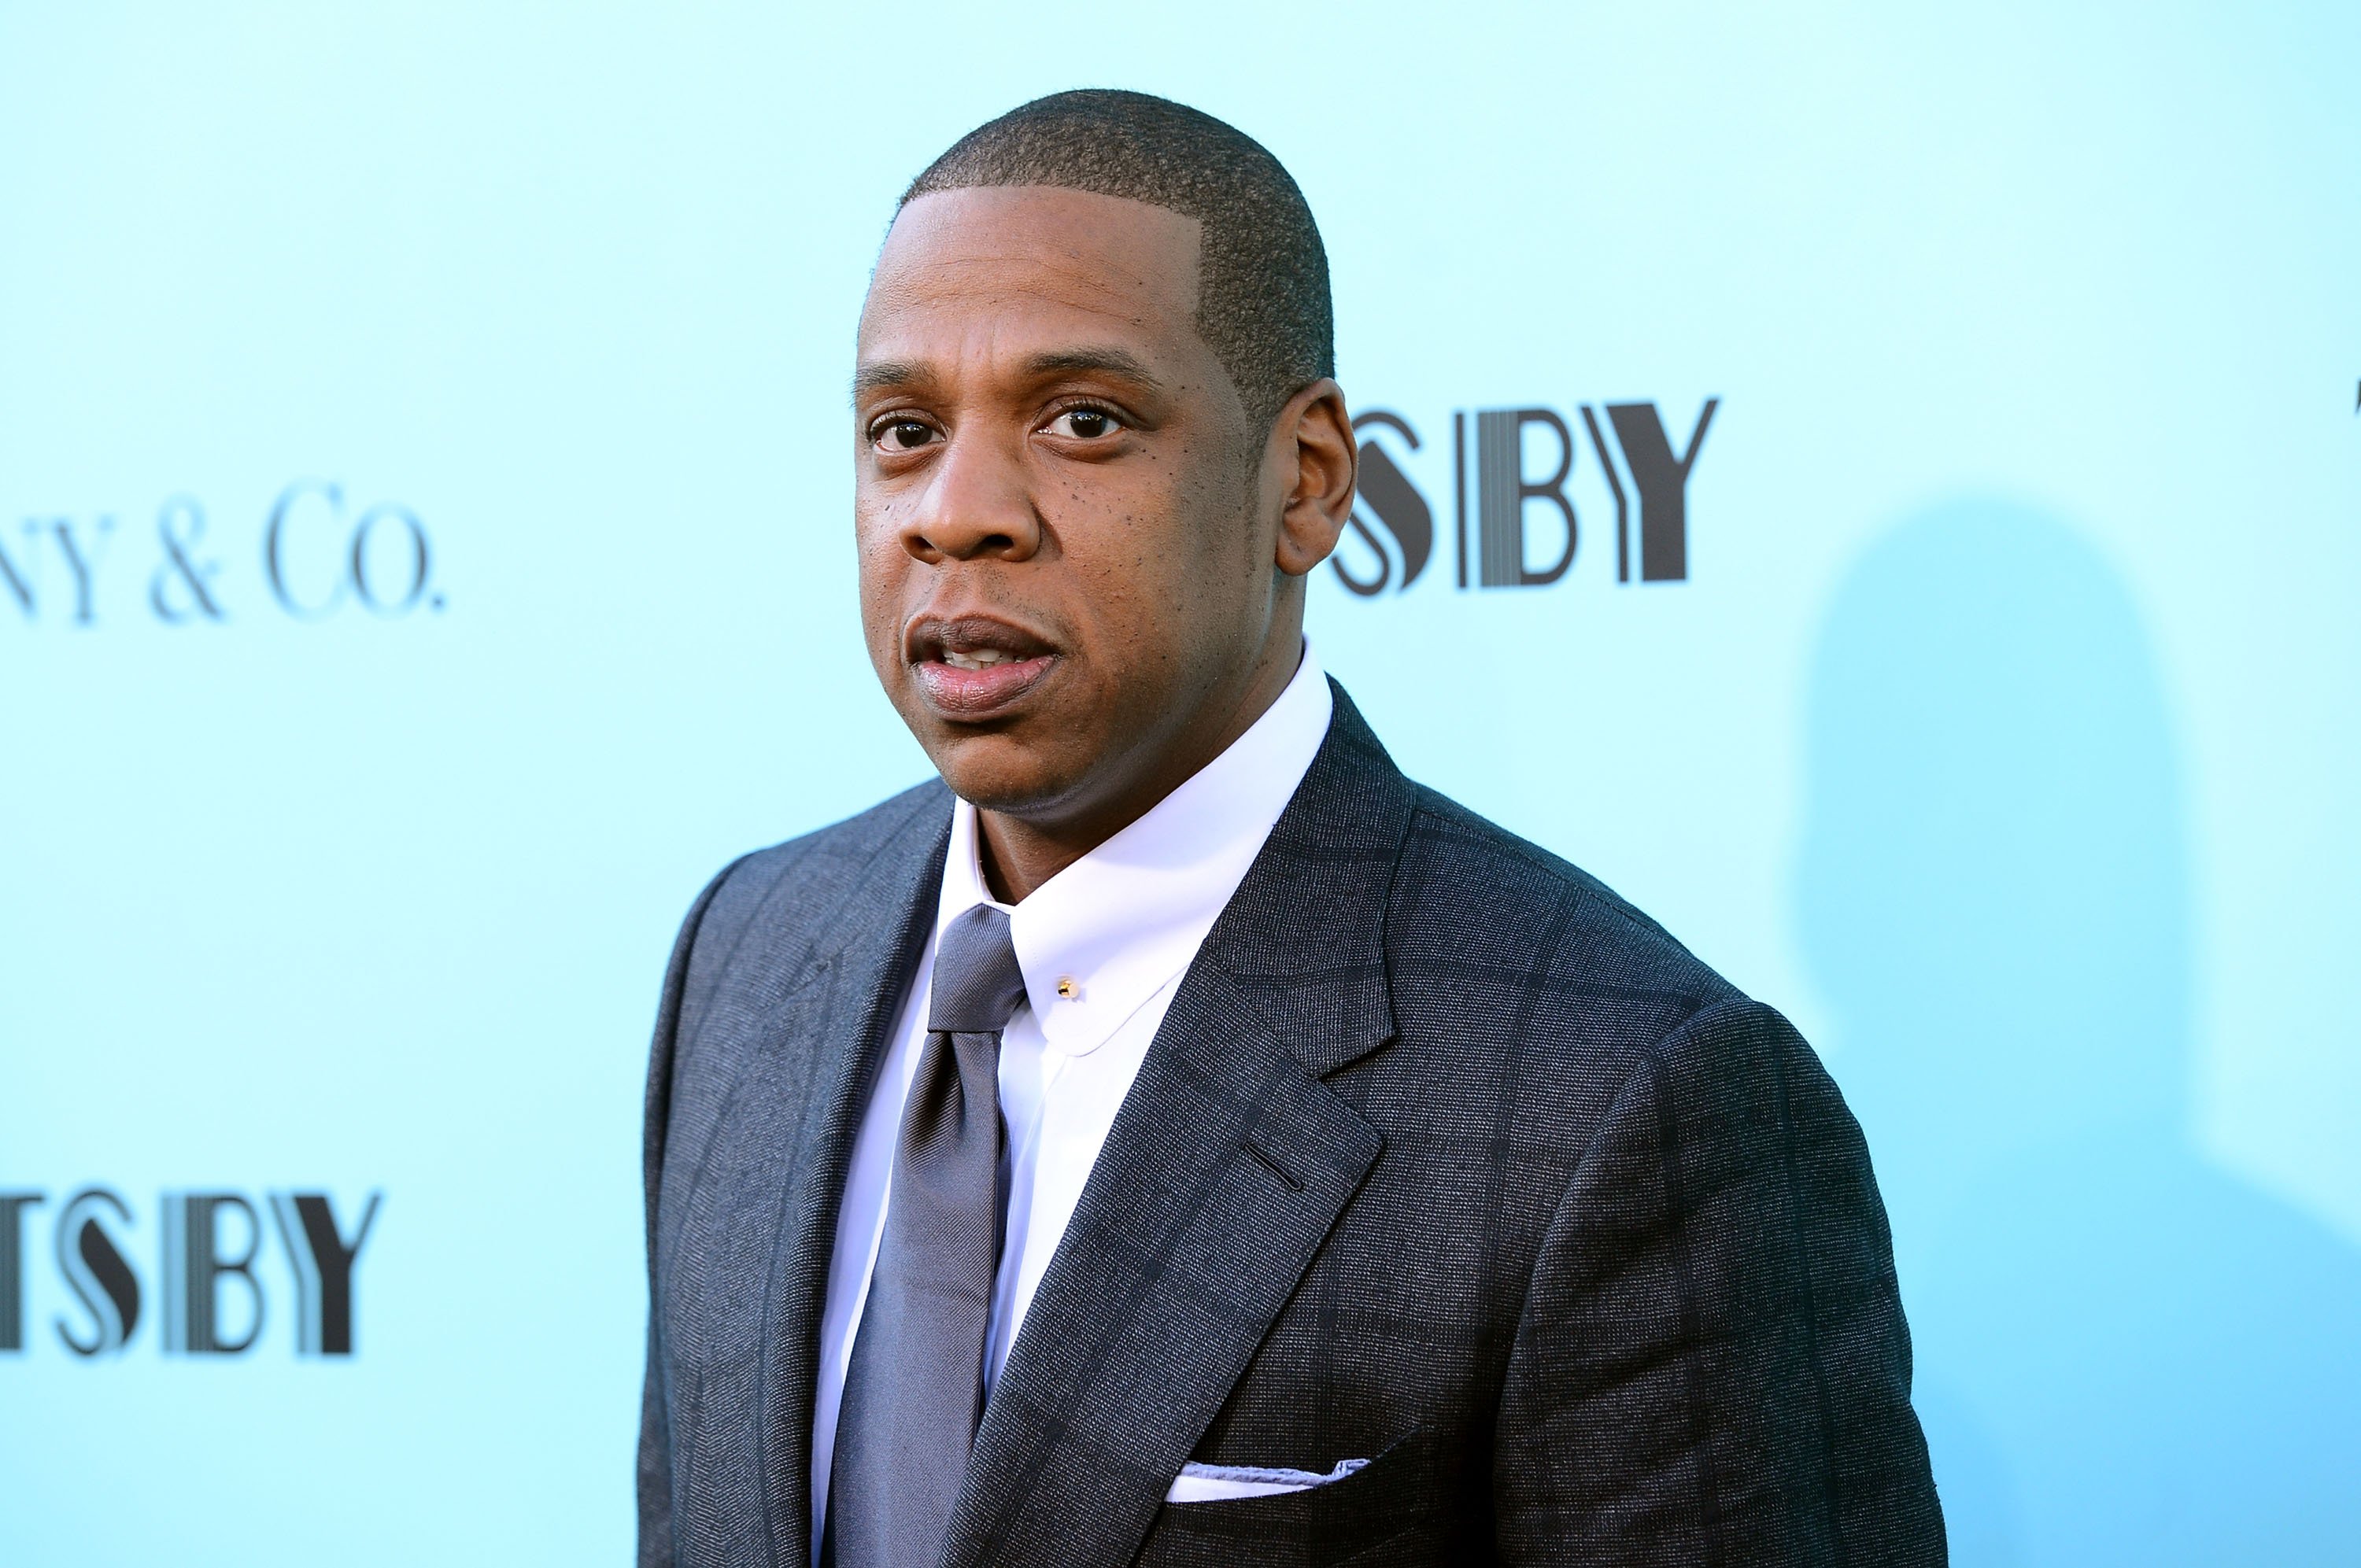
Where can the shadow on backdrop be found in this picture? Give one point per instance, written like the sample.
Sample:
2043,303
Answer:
2124,1354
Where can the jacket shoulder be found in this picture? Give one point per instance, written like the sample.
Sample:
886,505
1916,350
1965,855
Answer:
790,890
1529,995
812,859
1474,896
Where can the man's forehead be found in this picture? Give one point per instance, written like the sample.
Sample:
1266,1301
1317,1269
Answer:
992,249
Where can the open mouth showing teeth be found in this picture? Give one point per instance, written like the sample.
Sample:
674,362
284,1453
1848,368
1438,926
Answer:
974,668
972,642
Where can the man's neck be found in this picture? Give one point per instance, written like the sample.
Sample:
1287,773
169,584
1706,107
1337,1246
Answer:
1020,854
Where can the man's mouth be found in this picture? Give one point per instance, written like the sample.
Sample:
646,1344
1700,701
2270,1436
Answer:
981,659
974,669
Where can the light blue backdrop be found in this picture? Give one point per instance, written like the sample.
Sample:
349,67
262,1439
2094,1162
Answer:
2003,731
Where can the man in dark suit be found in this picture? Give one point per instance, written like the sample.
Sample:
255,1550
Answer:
1174,1136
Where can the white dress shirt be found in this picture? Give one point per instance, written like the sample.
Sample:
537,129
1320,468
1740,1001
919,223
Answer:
1103,946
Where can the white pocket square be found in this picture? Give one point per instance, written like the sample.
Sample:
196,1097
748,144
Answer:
1226,1483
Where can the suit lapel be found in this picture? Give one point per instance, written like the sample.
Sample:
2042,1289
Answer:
766,1186
866,988
1224,1172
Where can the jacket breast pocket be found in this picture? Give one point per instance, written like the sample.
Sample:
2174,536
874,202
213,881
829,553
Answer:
1352,1520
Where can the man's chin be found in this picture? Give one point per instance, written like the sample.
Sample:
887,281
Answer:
996,771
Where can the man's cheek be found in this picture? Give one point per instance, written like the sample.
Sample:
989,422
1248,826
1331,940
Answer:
883,568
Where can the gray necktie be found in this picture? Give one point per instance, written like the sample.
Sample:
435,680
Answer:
915,1389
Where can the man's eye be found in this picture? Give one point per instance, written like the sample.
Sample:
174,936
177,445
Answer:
903,434
1085,424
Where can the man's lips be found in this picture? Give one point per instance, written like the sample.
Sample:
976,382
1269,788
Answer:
983,693
972,668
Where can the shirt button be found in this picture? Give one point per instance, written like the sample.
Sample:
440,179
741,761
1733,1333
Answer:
1069,988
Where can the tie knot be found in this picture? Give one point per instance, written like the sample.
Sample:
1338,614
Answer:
977,982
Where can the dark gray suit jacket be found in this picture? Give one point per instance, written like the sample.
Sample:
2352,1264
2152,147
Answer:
1445,1156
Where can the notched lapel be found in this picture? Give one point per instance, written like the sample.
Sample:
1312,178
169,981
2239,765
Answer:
1225,1170
868,979
748,1248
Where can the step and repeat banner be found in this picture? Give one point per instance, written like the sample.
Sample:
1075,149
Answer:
1882,491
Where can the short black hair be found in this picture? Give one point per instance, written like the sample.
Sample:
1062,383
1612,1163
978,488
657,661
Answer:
1262,291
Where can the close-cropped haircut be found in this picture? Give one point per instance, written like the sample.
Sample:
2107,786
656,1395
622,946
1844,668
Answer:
1262,275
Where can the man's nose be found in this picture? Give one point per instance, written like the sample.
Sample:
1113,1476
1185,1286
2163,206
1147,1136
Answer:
979,505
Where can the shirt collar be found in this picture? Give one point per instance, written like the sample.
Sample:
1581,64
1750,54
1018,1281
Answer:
1104,935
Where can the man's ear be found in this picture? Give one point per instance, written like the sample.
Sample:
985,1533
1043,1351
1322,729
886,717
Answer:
1313,437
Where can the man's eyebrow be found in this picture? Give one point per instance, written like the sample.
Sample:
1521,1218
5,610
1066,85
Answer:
886,374
1105,361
